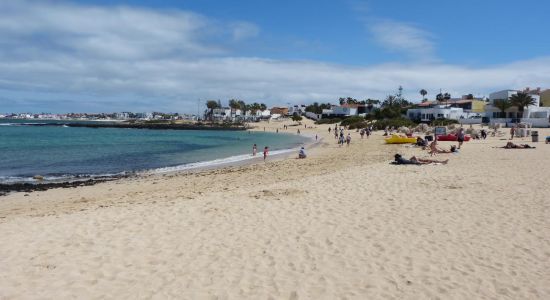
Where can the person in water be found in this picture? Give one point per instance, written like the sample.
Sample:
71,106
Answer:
254,150
266,151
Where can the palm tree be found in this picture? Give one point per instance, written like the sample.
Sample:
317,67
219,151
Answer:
447,97
423,92
439,97
211,104
234,105
522,100
503,105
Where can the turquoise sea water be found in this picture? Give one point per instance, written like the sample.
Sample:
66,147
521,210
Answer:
62,153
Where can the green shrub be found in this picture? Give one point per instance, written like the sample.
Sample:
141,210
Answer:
359,125
396,123
328,121
443,122
352,120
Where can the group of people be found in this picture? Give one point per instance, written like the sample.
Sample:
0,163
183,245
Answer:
255,151
340,136
366,131
301,154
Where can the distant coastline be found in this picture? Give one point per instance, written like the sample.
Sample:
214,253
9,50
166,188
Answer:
135,125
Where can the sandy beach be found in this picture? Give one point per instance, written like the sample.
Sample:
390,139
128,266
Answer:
342,224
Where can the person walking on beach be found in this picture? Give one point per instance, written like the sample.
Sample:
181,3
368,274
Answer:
348,139
254,150
266,151
329,129
512,132
460,137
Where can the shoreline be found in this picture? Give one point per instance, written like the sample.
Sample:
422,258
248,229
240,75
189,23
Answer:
196,167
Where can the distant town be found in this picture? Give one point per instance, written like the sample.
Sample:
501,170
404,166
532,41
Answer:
528,105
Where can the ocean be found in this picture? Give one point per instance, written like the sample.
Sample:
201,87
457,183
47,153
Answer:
69,153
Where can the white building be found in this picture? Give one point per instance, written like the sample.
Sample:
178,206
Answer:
534,114
122,116
296,109
437,112
341,111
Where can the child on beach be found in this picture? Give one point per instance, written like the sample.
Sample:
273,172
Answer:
254,150
302,153
266,150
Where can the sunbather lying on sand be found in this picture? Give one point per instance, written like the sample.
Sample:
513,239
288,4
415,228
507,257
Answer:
434,149
511,145
399,160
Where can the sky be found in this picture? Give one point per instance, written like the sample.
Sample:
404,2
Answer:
172,56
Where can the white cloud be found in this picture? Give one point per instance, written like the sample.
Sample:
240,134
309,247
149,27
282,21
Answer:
101,32
244,30
71,57
404,38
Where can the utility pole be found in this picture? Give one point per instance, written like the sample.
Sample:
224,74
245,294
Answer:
198,109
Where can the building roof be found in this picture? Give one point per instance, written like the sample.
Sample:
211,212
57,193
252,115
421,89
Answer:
450,101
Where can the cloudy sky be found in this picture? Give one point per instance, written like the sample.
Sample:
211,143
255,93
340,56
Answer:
105,56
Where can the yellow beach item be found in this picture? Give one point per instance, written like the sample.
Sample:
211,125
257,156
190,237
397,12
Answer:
396,139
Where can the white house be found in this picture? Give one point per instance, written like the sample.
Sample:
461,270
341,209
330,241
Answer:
437,112
296,109
341,111
534,114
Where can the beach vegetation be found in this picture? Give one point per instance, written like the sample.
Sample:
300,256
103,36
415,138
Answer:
443,97
348,100
395,122
423,92
522,100
359,125
393,107
352,120
328,121
211,104
317,108
296,117
502,105
443,122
